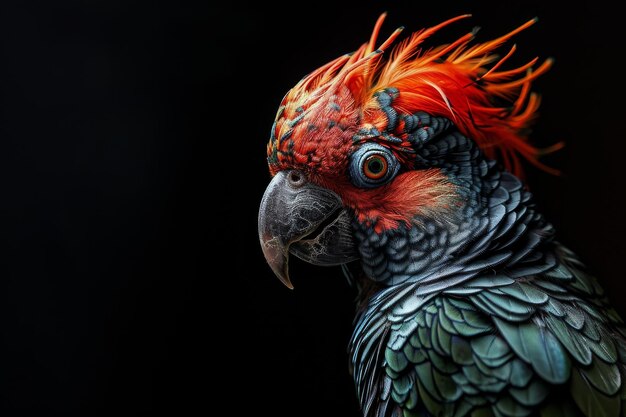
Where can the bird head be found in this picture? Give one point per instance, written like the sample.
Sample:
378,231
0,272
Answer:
385,148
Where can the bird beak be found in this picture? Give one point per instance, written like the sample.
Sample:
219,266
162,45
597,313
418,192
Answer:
308,220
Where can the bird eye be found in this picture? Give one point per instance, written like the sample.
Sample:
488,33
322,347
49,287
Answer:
372,165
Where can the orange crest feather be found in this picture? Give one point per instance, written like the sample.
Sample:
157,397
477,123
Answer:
460,81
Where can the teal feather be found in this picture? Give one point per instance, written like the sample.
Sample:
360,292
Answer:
492,350
511,408
554,307
575,345
476,400
446,323
497,362
470,389
444,340
431,309
473,322
465,329
461,351
461,304
413,400
414,355
399,398
539,348
592,311
405,329
533,394
560,272
425,375
506,303
434,406
460,379
435,339
476,319
446,387
509,221
504,307
526,293
420,318
502,373
490,281
428,318
391,373
443,363
424,337
402,385
415,341
396,340
470,317
462,291
521,373
451,311
605,349
490,347
495,387
550,286
397,361
574,317
590,331
476,377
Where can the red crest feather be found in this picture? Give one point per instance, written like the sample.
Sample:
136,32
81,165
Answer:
462,81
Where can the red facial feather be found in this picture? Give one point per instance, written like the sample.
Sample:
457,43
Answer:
412,194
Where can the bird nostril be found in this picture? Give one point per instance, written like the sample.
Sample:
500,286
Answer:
295,178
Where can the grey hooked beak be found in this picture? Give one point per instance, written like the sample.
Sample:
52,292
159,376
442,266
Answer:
307,220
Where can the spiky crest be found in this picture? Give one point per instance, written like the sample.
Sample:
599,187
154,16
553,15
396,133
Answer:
462,81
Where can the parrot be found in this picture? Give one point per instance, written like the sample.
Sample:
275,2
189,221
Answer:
404,165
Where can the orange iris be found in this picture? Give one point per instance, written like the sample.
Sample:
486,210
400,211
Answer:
375,167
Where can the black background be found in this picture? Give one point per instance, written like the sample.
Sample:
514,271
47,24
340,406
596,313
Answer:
132,162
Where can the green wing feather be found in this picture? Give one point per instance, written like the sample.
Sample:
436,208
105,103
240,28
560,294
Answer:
457,365
499,346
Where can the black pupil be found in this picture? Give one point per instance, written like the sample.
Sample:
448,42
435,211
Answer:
375,165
